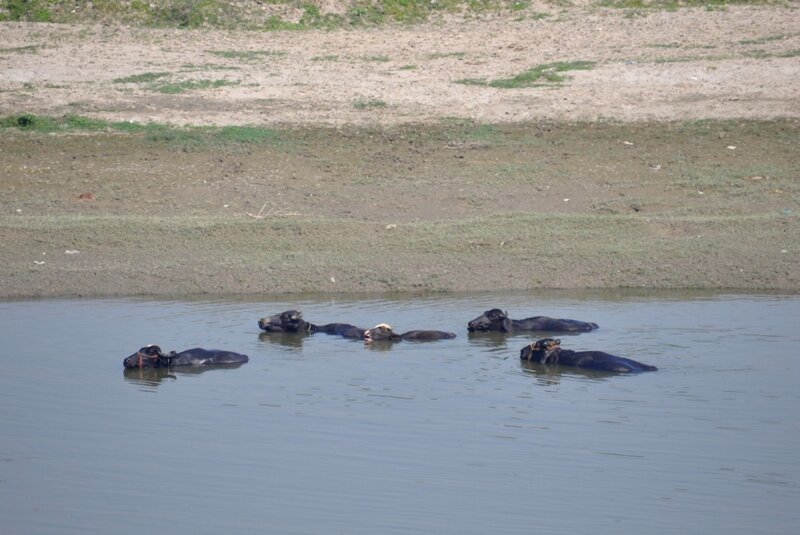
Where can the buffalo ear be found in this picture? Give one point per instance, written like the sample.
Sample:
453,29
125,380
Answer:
506,325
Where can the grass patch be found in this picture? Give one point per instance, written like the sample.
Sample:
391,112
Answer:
764,40
46,125
171,88
143,78
191,85
546,74
673,5
194,67
192,14
29,49
204,138
437,55
538,15
30,10
368,104
247,55
187,138
789,54
246,134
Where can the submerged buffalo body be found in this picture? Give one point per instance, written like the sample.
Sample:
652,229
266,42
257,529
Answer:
291,321
548,351
497,320
384,332
153,357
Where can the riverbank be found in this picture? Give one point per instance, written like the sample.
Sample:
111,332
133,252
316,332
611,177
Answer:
587,149
413,208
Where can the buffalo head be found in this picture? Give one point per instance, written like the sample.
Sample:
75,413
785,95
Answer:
290,321
491,320
381,333
540,350
148,357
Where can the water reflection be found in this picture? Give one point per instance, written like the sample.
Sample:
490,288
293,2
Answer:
152,377
506,345
550,374
288,340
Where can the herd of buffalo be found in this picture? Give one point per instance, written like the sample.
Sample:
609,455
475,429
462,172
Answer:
544,351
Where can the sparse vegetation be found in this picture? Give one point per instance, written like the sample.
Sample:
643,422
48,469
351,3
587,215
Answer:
218,13
29,49
546,74
677,4
151,80
191,85
330,57
145,77
247,55
300,14
437,55
367,104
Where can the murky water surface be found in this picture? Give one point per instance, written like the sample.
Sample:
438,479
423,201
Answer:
323,435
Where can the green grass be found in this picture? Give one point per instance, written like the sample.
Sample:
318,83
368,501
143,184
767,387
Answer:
192,14
187,138
546,74
44,124
32,10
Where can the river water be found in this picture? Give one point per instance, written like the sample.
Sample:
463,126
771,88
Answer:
321,435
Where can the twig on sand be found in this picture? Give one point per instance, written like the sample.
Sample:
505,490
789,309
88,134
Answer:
270,212
258,215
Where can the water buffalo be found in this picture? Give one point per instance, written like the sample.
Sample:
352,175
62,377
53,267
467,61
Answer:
548,351
497,320
383,332
152,357
291,321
